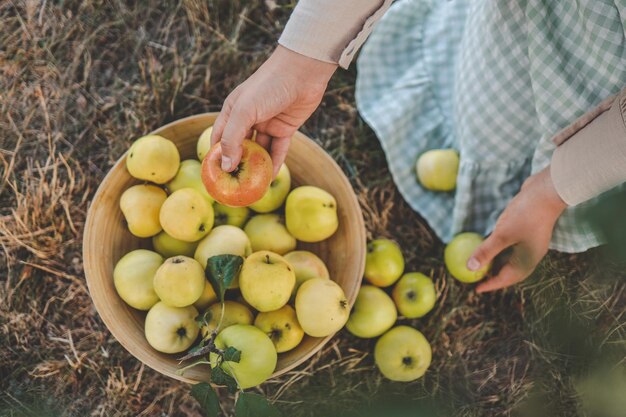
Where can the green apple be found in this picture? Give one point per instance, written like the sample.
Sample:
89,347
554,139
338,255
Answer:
266,281
204,143
140,205
373,313
306,265
275,196
171,329
458,252
437,169
311,214
268,232
384,262
133,276
207,298
234,313
180,281
402,354
234,216
321,307
188,176
258,355
223,240
186,215
414,295
282,327
167,246
153,158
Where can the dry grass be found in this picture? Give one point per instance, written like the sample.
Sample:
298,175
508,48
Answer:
80,80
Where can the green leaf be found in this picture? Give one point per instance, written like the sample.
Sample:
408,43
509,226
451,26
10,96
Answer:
204,318
219,377
221,270
254,405
206,396
232,354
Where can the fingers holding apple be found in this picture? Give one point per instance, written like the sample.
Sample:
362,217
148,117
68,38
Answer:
458,252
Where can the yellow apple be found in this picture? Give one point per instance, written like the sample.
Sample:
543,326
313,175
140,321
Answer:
266,281
171,329
282,327
268,232
306,265
258,355
180,281
140,205
373,313
234,313
234,216
402,354
275,196
321,307
188,176
223,240
311,214
458,252
133,275
437,169
204,143
207,298
384,262
167,246
153,158
414,295
186,215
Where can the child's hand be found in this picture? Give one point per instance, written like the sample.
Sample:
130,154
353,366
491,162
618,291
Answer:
526,226
275,101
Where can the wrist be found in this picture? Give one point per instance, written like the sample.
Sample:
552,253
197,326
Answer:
551,197
306,69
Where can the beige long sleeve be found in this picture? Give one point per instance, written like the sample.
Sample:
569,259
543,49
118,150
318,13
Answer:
332,30
591,156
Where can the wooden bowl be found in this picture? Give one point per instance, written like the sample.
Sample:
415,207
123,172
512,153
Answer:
107,239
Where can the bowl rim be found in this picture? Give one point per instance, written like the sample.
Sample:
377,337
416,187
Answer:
137,353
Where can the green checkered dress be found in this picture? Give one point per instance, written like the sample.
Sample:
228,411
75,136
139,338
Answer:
495,80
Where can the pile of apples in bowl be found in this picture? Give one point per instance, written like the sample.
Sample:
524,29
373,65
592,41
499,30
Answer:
197,271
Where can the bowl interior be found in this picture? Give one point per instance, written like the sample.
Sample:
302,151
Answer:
107,239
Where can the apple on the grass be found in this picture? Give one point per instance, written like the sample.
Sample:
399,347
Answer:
384,262
414,295
234,313
258,355
180,281
233,216
321,307
223,240
186,215
133,278
189,176
458,252
171,329
246,184
373,313
153,158
266,281
268,232
141,205
311,214
306,265
282,327
402,354
276,194
437,169
167,246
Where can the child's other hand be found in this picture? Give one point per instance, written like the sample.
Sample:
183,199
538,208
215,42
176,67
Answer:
526,227
275,101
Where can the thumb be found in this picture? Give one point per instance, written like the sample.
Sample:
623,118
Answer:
240,121
487,251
